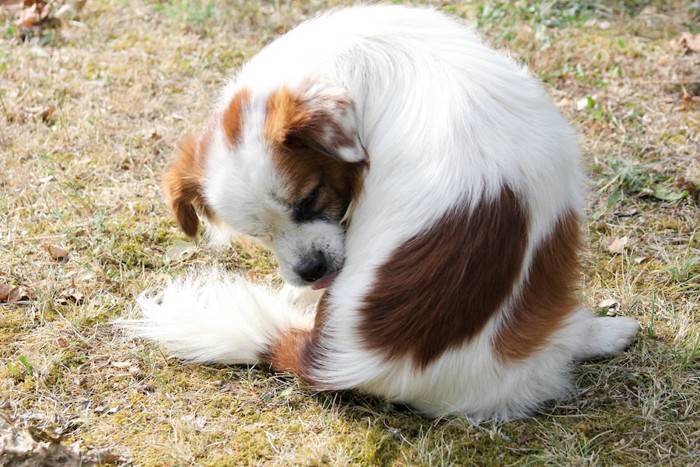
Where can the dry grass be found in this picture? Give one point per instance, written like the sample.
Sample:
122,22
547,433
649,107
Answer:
128,79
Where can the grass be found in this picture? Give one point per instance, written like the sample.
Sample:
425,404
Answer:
128,79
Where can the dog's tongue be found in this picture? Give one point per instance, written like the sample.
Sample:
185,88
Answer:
324,282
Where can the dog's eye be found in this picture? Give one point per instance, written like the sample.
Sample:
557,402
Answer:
304,209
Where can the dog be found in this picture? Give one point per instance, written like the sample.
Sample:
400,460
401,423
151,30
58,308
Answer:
423,198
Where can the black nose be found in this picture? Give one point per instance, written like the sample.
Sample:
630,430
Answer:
312,267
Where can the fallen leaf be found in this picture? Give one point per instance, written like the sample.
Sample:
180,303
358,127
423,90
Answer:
125,364
46,113
14,294
641,259
608,303
688,102
687,43
691,187
617,246
57,253
178,250
34,12
72,295
523,438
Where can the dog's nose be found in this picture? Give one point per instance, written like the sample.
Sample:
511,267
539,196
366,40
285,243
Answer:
312,267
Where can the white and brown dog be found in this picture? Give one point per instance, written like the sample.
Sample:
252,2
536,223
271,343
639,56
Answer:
428,183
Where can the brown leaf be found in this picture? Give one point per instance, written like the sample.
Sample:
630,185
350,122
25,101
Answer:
46,113
34,13
687,43
617,246
524,437
72,295
57,253
14,294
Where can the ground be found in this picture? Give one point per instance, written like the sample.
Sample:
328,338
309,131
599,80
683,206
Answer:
93,99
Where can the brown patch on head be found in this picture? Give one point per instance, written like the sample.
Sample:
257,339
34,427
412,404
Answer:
548,296
233,116
306,156
182,182
441,287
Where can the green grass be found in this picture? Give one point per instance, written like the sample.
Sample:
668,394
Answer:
129,79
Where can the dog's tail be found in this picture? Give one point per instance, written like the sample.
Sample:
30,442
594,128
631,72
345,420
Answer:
212,318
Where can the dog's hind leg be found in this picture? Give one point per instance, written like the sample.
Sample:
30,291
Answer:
605,336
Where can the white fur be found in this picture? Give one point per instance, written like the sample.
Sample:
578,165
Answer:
445,121
214,317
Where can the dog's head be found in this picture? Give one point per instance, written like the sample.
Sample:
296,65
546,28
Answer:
282,167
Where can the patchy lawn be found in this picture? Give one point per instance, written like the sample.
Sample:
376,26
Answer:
92,101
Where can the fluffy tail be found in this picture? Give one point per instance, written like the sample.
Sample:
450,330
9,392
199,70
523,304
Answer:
211,318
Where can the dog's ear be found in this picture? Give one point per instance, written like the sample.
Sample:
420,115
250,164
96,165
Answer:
182,185
319,116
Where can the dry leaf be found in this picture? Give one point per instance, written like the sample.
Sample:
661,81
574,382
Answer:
687,43
524,437
608,303
617,246
179,250
57,253
34,12
46,113
641,259
14,294
125,364
72,295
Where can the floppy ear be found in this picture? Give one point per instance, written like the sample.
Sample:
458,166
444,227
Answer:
320,116
182,184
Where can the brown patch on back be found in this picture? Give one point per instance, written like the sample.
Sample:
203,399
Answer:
440,288
290,126
548,296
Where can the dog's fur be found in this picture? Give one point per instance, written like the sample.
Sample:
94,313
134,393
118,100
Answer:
428,182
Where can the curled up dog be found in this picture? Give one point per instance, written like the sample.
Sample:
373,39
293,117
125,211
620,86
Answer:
423,197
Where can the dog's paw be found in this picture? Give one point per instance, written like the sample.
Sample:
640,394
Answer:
607,336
